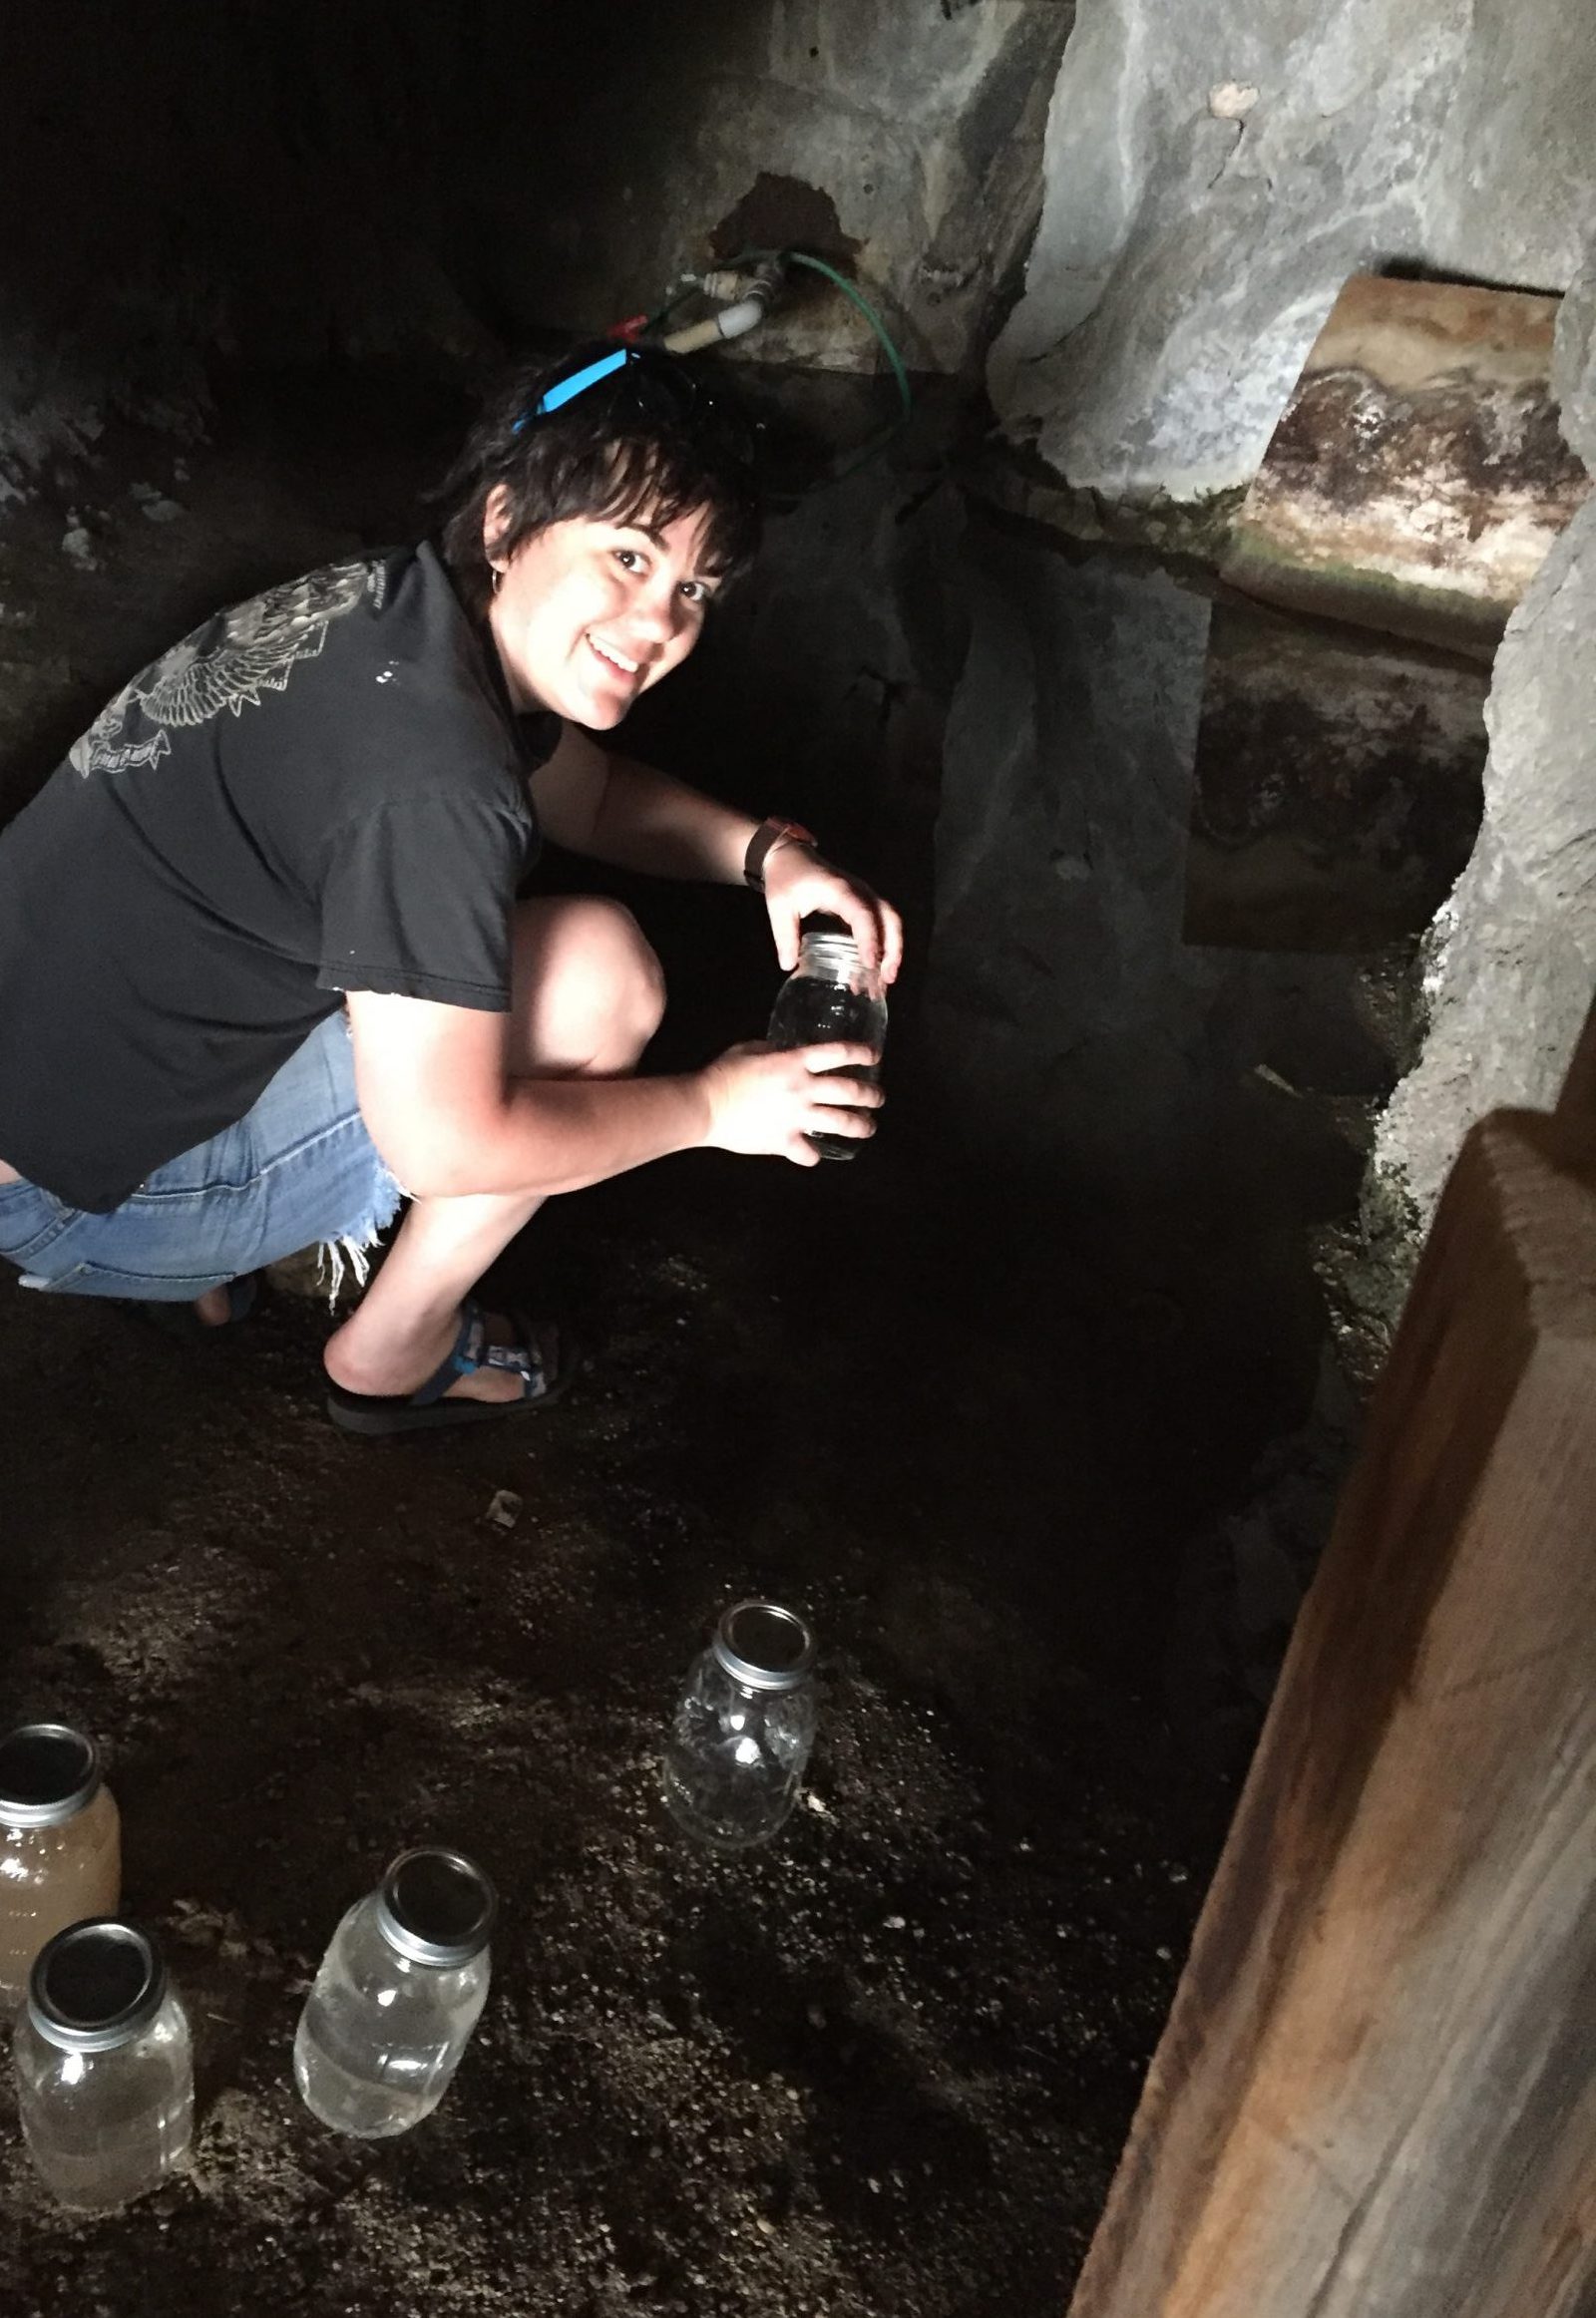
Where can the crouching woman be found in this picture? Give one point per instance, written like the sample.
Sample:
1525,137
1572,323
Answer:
265,975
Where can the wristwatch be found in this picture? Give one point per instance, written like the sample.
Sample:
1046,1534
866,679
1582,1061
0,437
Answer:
763,843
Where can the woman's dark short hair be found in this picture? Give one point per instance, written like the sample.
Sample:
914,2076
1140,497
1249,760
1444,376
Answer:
646,444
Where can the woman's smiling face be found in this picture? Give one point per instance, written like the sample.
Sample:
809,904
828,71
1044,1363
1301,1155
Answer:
587,614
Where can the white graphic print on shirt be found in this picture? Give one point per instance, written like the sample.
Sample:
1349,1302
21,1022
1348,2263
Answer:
260,642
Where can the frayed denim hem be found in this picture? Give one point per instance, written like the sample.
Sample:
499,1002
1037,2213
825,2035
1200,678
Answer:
348,1253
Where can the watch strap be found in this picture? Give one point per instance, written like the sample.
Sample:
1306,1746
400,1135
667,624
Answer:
763,843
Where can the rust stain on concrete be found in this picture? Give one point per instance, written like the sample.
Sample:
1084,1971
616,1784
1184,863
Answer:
1418,474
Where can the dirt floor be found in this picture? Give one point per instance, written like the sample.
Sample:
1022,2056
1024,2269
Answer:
884,2067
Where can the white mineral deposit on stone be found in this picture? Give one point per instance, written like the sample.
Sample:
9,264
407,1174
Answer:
1232,100
77,544
161,510
1167,310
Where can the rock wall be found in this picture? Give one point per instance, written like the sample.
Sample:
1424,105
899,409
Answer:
1514,951
902,137
280,185
1213,174
260,187
1069,1019
1088,1055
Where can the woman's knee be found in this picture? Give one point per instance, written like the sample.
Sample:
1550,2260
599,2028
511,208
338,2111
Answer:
590,991
636,981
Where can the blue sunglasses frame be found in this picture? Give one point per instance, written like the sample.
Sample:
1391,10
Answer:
656,374
568,389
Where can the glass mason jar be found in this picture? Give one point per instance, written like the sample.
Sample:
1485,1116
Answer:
60,1844
104,2074
830,994
742,1732
397,1996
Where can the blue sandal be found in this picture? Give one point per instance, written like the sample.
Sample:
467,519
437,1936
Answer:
538,1355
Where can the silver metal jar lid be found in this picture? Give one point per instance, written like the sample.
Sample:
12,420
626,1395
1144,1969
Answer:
764,1646
830,948
47,1775
435,1907
96,1985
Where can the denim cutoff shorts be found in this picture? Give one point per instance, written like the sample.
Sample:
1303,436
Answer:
297,1169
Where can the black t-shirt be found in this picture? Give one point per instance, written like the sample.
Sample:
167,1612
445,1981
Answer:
320,790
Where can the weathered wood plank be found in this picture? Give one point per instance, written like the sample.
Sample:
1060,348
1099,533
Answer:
1376,2094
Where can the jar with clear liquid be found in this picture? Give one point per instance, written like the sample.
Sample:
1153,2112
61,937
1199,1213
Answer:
832,994
60,1844
105,2072
743,1727
398,1994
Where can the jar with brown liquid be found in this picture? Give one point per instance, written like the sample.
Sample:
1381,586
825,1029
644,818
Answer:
60,1844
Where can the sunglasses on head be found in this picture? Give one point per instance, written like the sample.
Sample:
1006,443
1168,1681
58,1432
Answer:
658,385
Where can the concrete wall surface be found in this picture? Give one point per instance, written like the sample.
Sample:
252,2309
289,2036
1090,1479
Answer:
1213,174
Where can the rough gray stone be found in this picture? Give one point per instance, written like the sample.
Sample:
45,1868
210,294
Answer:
920,129
1514,949
1079,1041
1574,368
444,186
1066,1013
1187,256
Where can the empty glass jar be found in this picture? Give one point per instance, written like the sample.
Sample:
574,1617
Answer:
398,1994
741,1734
60,1844
830,994
105,2078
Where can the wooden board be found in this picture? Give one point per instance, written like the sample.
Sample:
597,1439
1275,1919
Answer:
1376,2094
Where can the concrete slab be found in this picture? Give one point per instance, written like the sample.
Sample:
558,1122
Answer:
1418,474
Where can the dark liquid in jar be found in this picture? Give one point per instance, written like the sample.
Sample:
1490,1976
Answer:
812,1012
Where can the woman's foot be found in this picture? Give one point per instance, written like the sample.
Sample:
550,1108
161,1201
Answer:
491,1370
393,1370
217,1308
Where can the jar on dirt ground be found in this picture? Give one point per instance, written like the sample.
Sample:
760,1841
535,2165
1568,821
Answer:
104,2074
743,1727
399,1992
60,1844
